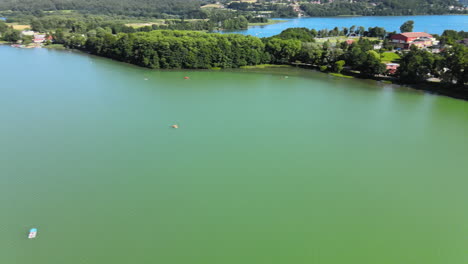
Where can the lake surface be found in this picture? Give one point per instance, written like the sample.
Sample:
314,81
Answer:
430,24
263,169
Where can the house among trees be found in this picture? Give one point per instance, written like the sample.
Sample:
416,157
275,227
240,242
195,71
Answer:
39,38
392,67
464,42
408,39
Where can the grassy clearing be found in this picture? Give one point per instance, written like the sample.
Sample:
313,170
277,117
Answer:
139,25
55,46
340,75
341,39
136,24
270,22
212,6
388,57
59,12
18,26
263,66
331,39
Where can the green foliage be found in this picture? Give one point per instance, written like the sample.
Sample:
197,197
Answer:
450,37
381,7
283,11
407,26
137,8
11,35
179,49
302,34
283,51
55,46
235,23
416,66
455,65
323,68
3,27
361,57
338,66
27,40
378,32
311,53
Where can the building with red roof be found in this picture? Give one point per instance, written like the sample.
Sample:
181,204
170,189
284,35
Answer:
39,38
408,39
392,68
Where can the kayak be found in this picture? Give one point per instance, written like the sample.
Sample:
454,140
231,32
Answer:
32,233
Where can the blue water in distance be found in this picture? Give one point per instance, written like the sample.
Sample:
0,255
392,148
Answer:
430,24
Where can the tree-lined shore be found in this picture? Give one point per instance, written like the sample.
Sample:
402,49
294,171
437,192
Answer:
169,49
177,49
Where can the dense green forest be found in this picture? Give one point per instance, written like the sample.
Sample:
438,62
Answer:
355,7
171,49
191,8
142,8
382,8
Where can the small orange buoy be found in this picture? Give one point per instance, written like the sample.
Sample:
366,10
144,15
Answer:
175,126
186,77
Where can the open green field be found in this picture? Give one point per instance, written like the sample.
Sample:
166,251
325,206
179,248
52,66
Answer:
388,57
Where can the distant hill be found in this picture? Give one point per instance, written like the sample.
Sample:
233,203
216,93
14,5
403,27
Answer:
381,7
115,7
191,8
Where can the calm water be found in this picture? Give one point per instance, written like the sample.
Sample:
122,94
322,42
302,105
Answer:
263,169
430,24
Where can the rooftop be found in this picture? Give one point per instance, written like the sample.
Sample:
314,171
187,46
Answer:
416,34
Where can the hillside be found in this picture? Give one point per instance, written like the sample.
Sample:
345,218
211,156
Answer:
156,8
279,8
381,7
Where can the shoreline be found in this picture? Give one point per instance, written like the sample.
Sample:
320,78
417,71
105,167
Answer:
270,22
431,88
347,16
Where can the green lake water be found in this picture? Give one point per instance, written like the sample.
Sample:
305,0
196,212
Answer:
263,169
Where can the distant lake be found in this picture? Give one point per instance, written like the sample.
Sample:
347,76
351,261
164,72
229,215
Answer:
430,24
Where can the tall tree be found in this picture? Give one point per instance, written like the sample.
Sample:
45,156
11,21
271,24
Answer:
3,27
416,65
455,65
407,26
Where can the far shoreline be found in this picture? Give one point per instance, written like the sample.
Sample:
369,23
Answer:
430,88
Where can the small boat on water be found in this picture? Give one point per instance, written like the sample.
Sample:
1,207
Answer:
32,233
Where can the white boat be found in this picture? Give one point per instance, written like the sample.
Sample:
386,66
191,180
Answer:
32,233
